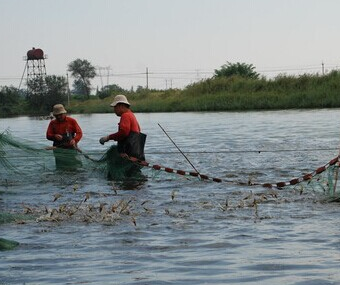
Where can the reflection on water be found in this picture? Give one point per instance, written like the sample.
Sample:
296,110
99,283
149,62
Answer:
170,229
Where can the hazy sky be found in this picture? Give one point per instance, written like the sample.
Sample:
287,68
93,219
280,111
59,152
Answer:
179,41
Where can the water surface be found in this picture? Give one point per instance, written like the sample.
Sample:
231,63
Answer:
180,230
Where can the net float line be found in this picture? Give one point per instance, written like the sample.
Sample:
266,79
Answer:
168,169
294,181
304,178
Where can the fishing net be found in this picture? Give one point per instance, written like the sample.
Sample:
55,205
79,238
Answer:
6,217
22,160
8,144
118,168
322,180
6,244
25,161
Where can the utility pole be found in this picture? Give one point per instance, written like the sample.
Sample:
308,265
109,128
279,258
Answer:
147,78
197,74
108,68
68,91
100,75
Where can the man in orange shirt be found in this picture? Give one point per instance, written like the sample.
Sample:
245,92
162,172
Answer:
65,133
129,139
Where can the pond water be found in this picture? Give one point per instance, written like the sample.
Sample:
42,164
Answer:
174,229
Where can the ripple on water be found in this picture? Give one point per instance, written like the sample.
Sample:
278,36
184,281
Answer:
180,231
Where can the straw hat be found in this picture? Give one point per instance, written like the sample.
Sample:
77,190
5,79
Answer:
119,99
58,109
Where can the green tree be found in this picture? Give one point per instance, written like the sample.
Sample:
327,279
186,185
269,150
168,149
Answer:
36,92
82,70
237,69
57,90
43,93
9,101
109,90
79,88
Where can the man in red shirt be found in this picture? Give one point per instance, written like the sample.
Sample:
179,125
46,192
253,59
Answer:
130,141
129,137
64,131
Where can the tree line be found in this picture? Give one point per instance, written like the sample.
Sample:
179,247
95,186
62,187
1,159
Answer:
232,82
43,92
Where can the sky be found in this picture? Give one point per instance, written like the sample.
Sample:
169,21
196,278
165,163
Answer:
174,42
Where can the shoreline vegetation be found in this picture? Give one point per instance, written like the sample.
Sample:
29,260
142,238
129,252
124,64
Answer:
230,94
234,93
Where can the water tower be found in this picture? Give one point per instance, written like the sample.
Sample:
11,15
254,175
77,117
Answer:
35,64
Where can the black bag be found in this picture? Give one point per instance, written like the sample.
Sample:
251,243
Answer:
133,145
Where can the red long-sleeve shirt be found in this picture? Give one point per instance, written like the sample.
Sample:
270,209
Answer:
128,123
69,125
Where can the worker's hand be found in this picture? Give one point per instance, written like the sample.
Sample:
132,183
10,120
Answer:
73,143
58,137
104,139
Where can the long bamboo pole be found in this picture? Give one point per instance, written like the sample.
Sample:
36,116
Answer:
180,151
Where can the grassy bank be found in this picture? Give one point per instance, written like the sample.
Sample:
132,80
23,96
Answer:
216,94
231,94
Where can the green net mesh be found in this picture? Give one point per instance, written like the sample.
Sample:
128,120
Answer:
118,168
27,162
325,182
6,244
20,161
19,157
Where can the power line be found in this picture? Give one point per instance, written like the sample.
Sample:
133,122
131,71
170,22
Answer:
185,77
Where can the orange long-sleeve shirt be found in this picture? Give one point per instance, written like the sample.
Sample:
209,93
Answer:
68,126
128,123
